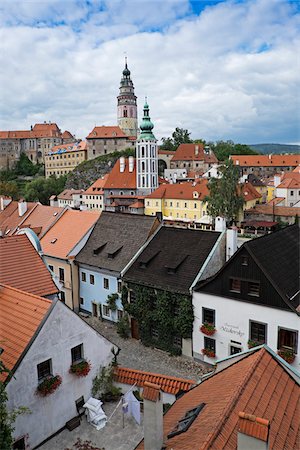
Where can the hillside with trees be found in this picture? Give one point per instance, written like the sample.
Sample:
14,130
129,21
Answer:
275,148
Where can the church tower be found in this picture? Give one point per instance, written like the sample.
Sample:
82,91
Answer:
146,156
127,109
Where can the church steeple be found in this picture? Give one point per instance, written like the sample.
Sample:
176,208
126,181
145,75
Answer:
127,108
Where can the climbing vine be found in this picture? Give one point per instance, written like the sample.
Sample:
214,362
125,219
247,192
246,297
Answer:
161,316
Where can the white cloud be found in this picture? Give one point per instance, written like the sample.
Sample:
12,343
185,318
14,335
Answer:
229,73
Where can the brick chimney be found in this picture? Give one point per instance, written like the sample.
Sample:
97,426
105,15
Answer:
153,417
22,207
253,432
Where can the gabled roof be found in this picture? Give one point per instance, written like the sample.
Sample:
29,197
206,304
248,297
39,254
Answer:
181,191
10,218
193,152
285,211
289,183
21,314
23,268
41,218
265,160
68,147
115,240
121,180
67,135
97,187
67,194
249,192
69,229
170,385
172,259
258,384
110,132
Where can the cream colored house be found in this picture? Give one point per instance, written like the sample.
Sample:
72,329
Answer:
62,159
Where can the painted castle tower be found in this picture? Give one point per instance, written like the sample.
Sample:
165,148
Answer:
127,108
146,156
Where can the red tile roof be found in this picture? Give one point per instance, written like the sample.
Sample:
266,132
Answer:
67,194
170,385
249,192
103,132
121,180
193,152
39,130
184,191
253,426
10,219
275,210
275,200
137,205
41,218
69,229
258,384
69,147
21,314
151,391
265,160
166,152
22,267
67,135
97,187
289,183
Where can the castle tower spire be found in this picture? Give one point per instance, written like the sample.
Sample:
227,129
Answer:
146,156
127,108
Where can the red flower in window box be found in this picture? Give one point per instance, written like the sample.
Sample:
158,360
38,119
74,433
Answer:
81,369
208,329
287,355
208,352
48,385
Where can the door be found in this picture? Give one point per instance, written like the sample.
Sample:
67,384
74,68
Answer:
95,310
135,329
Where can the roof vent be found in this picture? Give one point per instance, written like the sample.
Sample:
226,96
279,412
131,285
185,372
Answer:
97,250
53,241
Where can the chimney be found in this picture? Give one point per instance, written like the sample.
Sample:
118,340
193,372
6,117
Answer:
122,164
220,224
231,242
4,201
153,417
207,150
131,163
196,150
253,432
22,207
270,156
277,180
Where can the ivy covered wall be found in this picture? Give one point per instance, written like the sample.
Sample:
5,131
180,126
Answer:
161,316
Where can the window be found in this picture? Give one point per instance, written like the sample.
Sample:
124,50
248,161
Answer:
235,285
195,205
208,316
44,369
287,339
244,260
132,296
119,286
81,300
292,193
77,353
50,267
61,274
185,423
63,296
253,288
105,311
120,314
106,283
92,279
83,276
258,332
177,341
210,344
234,349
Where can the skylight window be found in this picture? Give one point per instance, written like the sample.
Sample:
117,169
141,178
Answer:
53,241
185,423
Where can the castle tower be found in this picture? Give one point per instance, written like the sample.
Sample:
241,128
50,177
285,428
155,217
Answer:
127,109
146,156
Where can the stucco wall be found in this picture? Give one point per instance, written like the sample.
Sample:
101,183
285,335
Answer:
62,331
232,323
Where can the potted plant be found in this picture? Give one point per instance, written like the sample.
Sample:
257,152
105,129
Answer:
252,343
287,355
207,352
81,368
208,329
48,385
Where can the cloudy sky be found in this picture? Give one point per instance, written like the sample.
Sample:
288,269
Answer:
221,69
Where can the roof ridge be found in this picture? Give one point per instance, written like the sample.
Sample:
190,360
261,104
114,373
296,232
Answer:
155,374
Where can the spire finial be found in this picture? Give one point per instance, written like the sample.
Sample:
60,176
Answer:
125,61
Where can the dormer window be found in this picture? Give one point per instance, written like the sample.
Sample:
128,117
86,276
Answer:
185,423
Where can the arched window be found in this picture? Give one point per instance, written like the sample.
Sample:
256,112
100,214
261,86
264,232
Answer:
125,113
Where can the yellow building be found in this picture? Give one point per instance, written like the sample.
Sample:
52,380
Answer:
182,201
62,159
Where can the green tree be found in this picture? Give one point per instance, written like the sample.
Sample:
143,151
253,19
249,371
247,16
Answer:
41,189
224,199
25,167
179,136
223,149
9,188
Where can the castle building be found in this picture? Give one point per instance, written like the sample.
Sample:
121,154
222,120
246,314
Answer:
127,107
146,156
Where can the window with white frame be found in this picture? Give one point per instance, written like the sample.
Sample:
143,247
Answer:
105,311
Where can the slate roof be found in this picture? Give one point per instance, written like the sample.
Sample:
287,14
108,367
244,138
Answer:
23,268
172,259
258,384
115,239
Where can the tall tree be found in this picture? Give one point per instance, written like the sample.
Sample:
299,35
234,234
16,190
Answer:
179,136
224,198
223,149
41,189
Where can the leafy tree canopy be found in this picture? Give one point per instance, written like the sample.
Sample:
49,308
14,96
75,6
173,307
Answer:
224,199
179,136
25,167
41,189
9,188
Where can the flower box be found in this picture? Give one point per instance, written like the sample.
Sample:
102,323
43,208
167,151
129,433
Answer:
81,369
252,343
48,385
208,329
208,353
287,355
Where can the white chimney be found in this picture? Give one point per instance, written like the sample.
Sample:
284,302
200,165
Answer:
231,242
196,149
220,224
277,180
253,432
131,163
4,201
153,417
270,156
122,164
22,207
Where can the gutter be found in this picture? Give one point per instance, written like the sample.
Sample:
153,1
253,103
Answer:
207,261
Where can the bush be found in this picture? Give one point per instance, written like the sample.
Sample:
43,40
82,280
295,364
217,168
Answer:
123,328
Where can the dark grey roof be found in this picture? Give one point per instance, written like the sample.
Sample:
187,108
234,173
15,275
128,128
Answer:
115,239
172,259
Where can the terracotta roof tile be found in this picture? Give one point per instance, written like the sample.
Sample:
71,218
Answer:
121,180
184,191
249,192
253,426
110,132
96,188
265,160
137,205
69,147
193,152
21,314
69,229
275,210
67,194
10,218
151,391
67,135
22,267
41,218
170,385
289,183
